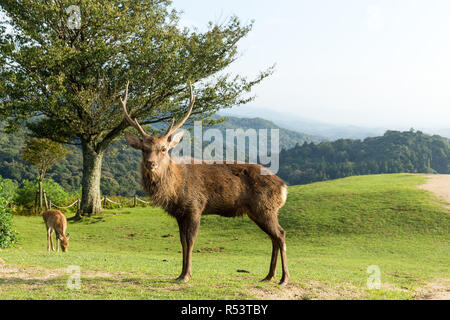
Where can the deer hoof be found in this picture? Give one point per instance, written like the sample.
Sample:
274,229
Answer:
267,279
182,279
283,283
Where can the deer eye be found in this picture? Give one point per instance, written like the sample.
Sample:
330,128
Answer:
164,150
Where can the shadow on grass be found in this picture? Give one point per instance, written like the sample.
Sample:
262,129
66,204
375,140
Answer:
41,282
104,282
86,220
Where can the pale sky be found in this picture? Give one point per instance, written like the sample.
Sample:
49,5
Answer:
363,62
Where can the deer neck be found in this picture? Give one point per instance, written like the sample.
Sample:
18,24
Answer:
163,187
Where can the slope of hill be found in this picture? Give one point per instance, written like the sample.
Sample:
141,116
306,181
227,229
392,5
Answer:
394,152
288,138
336,230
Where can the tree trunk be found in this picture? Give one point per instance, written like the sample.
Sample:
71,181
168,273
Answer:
40,192
90,184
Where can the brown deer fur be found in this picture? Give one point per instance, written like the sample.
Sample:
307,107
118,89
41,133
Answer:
188,191
56,221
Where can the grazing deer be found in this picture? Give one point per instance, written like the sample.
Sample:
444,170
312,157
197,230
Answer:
187,191
56,221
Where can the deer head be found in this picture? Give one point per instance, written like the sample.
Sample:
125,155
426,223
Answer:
64,242
155,149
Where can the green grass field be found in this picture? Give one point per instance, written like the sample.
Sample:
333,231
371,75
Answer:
335,231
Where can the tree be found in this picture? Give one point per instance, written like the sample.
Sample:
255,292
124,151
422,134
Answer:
67,74
43,154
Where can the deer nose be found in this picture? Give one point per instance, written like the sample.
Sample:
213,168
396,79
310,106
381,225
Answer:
151,165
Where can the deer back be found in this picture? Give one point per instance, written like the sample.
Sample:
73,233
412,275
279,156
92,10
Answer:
56,220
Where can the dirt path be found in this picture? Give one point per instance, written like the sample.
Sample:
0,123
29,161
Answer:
439,184
439,289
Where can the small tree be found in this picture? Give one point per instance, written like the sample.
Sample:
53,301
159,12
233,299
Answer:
43,154
26,195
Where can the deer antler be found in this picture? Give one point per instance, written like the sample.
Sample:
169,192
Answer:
173,128
134,122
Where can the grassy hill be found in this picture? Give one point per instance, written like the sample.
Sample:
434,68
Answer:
335,231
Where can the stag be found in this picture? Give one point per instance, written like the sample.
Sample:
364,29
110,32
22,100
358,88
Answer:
186,191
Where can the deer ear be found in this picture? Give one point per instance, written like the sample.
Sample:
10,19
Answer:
68,236
175,139
134,141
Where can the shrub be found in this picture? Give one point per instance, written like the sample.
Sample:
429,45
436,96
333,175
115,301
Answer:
8,189
27,194
7,235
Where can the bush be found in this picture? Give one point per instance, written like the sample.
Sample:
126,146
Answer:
7,235
26,195
9,188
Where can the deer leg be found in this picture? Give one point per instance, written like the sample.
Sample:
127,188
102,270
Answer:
273,261
48,239
191,225
282,244
57,241
192,231
183,244
51,239
269,224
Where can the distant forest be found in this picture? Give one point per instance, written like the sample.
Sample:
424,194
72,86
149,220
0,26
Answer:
394,152
308,161
120,174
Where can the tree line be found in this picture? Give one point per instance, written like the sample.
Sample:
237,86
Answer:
394,152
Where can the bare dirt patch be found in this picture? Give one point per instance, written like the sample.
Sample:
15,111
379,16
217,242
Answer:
310,290
439,184
438,289
28,273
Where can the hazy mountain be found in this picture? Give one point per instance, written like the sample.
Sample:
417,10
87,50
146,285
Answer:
319,128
